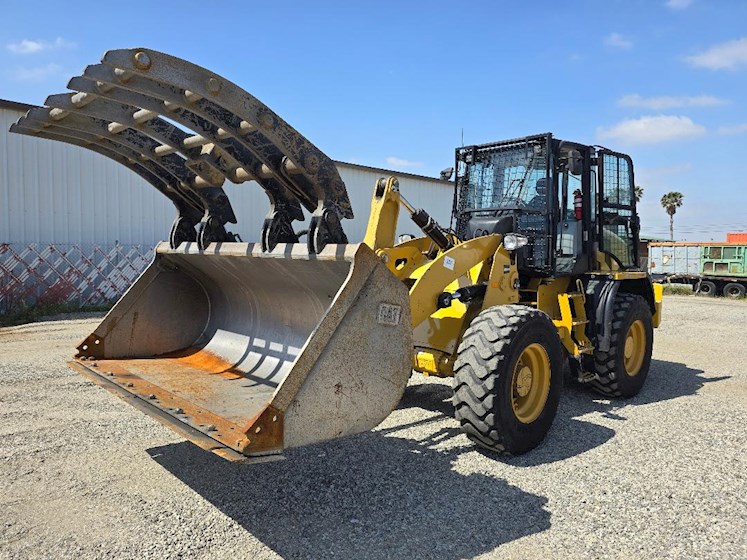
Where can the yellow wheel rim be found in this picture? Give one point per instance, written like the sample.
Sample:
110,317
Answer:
635,348
530,383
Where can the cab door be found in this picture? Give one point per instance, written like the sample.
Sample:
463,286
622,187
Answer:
618,221
571,236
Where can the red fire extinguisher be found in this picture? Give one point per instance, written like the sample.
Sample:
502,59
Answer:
578,204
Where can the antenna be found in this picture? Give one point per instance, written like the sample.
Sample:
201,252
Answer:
462,137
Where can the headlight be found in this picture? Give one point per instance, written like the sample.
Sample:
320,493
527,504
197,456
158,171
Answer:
512,241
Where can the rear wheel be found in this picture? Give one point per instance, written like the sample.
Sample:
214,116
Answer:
622,370
508,377
733,290
707,288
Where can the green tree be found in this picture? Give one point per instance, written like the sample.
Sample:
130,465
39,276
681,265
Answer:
670,202
638,193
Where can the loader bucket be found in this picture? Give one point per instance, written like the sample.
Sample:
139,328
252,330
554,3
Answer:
247,353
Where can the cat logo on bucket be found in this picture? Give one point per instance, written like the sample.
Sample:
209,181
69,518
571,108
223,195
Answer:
389,314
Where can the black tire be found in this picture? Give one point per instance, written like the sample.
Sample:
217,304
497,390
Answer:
611,367
733,290
707,288
486,379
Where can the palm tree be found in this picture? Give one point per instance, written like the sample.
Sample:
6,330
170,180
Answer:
638,193
670,202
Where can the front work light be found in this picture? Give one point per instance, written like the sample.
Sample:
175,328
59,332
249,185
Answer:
512,241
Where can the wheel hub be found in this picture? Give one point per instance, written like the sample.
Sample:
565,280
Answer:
635,348
629,347
530,384
524,381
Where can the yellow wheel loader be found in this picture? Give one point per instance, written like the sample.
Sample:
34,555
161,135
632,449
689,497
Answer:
248,349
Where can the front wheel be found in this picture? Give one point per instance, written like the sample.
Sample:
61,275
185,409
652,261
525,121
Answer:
508,377
622,370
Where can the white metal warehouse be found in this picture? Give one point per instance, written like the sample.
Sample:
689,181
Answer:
51,192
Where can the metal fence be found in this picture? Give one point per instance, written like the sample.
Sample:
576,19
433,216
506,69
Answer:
78,275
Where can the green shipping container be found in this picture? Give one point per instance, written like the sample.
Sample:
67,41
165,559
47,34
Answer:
723,260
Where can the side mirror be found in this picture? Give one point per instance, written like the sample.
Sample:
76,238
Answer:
575,162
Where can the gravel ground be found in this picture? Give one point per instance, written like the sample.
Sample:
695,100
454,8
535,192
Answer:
84,475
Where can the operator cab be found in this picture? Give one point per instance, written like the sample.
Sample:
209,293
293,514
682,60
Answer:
548,190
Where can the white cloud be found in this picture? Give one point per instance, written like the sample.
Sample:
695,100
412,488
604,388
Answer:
651,130
28,46
25,47
670,102
399,162
731,130
618,41
678,4
729,56
36,73
655,174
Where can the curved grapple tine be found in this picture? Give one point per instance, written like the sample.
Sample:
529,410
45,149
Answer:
188,214
285,154
129,144
241,164
230,126
144,131
258,162
229,155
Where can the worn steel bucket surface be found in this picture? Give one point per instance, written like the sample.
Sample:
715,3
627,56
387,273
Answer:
247,353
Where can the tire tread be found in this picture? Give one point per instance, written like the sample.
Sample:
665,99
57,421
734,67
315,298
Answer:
484,345
605,363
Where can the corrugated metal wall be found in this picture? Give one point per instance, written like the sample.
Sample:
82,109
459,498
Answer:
435,196
52,192
55,193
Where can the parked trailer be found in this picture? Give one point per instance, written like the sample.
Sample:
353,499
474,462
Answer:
710,268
